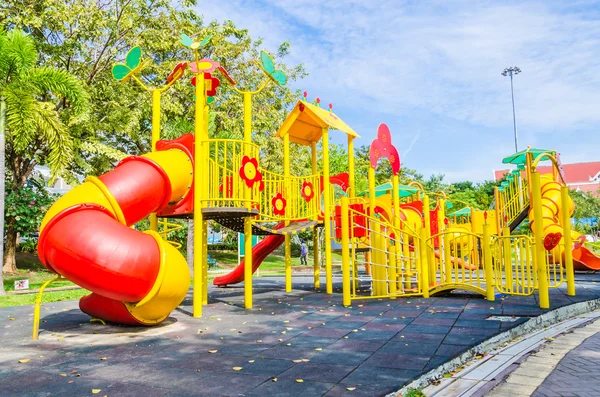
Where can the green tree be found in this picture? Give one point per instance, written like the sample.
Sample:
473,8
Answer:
42,104
87,38
587,205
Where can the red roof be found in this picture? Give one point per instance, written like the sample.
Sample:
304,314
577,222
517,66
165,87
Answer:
574,173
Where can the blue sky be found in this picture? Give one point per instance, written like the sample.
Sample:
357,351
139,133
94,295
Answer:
431,71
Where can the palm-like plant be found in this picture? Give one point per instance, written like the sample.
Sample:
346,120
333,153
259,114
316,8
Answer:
41,105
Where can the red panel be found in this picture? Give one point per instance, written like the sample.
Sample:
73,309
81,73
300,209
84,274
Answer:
140,187
90,248
107,309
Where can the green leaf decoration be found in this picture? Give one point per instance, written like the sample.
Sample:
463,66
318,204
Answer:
267,62
205,40
120,71
186,40
279,77
132,60
210,99
133,64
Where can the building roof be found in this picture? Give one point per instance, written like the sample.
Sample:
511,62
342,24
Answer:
306,121
576,173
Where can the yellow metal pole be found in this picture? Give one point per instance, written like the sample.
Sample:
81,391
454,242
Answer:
155,138
424,270
371,256
287,193
327,212
199,175
36,308
508,260
498,210
248,220
345,254
205,262
487,263
395,265
248,263
536,201
350,166
430,255
316,267
564,202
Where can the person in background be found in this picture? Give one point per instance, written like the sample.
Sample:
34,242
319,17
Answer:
303,253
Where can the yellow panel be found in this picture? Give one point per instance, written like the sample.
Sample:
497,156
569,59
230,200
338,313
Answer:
87,193
178,167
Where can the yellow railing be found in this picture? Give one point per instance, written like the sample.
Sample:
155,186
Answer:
514,198
514,265
167,228
458,262
225,186
301,195
395,256
557,274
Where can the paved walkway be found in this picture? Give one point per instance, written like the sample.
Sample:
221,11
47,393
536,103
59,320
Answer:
298,344
567,366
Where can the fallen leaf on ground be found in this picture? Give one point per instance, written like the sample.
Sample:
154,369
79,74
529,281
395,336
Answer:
212,351
62,374
103,358
96,391
25,360
274,380
297,361
305,360
319,349
237,368
351,388
299,380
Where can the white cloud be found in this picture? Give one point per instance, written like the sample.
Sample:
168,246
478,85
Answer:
394,58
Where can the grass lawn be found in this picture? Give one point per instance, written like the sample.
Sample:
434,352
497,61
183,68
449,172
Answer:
31,269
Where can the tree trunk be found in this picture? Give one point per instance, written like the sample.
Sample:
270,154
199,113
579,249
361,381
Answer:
2,188
190,247
10,263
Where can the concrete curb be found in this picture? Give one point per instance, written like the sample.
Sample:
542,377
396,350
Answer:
535,324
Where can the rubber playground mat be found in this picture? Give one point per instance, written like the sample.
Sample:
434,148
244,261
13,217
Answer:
297,344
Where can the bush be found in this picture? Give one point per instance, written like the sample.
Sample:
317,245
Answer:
28,205
223,247
29,245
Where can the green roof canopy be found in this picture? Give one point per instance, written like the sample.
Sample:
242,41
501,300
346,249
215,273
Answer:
462,212
520,157
403,190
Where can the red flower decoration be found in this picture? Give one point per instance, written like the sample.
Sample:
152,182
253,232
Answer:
307,191
278,203
210,84
177,72
382,147
249,171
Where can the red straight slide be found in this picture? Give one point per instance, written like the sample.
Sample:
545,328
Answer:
259,252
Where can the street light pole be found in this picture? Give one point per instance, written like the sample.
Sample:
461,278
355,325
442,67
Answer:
509,72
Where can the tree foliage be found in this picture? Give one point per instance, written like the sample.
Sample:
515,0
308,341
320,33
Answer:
87,38
43,105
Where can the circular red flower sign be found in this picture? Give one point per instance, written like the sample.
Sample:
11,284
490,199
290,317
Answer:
249,171
278,203
307,191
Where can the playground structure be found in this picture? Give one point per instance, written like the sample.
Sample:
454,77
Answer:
408,244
